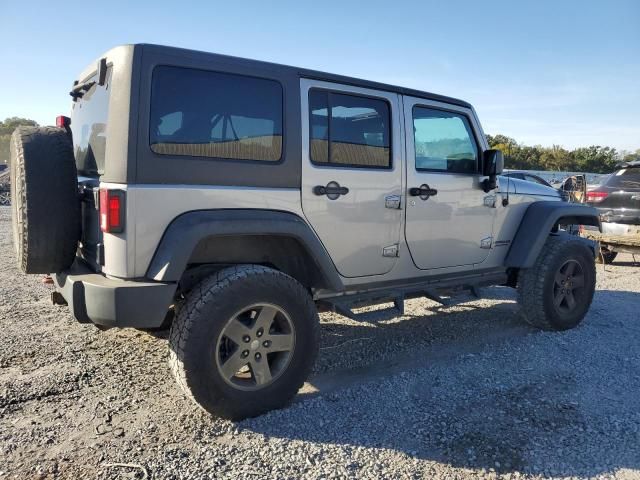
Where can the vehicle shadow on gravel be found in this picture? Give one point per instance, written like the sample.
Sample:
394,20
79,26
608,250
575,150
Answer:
629,263
514,402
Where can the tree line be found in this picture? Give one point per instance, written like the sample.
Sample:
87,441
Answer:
6,129
593,159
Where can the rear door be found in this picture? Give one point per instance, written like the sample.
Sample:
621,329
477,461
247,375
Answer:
352,174
449,217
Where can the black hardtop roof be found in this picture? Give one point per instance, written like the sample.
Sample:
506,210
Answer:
303,72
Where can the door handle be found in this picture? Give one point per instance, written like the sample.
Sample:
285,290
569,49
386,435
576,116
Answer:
424,191
332,190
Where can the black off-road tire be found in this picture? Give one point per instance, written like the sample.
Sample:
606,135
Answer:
44,199
200,321
606,256
536,285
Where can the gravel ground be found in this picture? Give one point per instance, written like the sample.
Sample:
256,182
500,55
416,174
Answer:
460,392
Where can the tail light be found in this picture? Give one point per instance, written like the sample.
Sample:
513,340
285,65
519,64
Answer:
62,121
112,210
595,196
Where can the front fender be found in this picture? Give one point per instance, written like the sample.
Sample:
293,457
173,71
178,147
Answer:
538,222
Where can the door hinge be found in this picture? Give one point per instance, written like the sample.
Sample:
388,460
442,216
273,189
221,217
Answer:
392,201
391,251
486,242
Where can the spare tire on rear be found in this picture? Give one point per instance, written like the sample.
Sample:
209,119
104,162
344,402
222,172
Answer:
44,199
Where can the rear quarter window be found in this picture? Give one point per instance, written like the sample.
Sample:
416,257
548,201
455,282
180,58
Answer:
200,113
625,178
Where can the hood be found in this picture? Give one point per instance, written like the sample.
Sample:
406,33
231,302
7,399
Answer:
524,187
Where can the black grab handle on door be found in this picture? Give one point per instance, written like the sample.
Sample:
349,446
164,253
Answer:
423,191
330,190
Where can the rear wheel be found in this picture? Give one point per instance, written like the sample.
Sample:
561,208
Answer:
44,199
555,294
244,341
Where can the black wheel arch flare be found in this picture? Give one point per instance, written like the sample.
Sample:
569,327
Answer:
538,222
270,237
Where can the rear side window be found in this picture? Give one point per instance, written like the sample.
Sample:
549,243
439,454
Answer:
218,115
349,130
625,178
444,141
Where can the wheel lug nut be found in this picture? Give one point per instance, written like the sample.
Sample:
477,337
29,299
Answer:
258,356
266,343
245,354
246,339
259,333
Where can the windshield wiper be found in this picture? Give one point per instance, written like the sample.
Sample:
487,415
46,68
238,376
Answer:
79,89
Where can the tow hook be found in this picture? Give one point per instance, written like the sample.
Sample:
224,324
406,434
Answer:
57,298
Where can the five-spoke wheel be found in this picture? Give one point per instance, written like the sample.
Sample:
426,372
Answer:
244,341
255,346
569,287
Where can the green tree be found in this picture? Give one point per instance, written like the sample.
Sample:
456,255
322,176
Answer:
631,156
595,159
555,158
6,129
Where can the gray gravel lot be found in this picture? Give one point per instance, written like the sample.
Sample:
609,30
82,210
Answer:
460,392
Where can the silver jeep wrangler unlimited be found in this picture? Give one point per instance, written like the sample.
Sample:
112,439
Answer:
244,196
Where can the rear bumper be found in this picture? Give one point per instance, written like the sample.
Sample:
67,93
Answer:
613,228
620,216
94,298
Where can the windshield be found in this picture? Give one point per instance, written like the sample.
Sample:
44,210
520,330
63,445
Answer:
626,178
88,125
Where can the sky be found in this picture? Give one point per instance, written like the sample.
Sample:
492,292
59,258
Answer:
543,72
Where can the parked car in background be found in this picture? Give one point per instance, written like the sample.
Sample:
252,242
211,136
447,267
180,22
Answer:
527,176
617,200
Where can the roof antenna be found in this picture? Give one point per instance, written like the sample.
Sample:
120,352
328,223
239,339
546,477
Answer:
505,200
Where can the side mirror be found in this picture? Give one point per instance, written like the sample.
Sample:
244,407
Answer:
492,166
492,163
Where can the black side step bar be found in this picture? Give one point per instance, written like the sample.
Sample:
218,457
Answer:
345,304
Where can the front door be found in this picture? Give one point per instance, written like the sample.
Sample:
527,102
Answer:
449,217
352,174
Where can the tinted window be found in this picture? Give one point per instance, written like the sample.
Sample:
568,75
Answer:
208,114
444,141
625,178
349,130
89,127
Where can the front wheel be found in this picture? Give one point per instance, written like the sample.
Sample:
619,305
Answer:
556,293
244,341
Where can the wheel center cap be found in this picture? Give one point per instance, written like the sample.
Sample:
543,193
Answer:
254,345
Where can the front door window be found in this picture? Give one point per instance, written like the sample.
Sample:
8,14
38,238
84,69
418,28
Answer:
443,142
